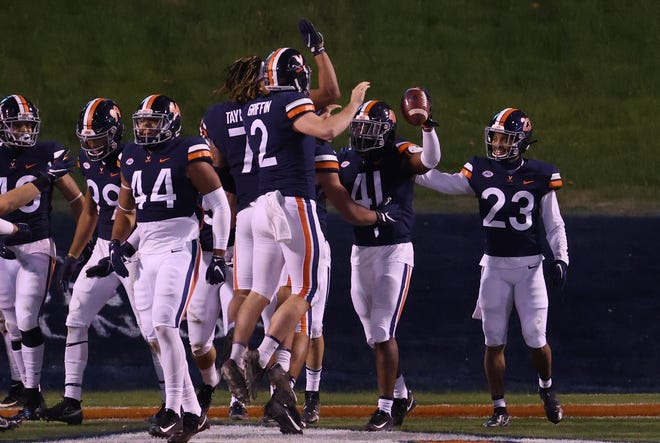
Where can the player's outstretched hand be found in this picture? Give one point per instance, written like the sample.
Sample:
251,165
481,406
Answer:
216,272
312,38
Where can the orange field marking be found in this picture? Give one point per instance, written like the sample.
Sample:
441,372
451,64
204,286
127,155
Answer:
597,410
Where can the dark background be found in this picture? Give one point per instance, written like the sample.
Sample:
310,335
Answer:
604,330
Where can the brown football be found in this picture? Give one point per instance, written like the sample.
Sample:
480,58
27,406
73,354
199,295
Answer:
415,106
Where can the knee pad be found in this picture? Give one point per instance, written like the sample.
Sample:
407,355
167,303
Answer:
32,338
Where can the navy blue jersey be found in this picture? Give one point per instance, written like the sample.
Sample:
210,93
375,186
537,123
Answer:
509,203
104,183
371,179
286,157
20,166
326,163
158,178
223,123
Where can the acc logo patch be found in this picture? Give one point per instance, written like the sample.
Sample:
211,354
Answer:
487,173
86,165
129,161
414,149
345,163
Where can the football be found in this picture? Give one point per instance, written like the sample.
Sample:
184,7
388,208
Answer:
415,106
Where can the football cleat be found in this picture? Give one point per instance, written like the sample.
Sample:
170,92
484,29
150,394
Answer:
34,401
167,424
285,416
7,424
312,408
154,418
205,398
253,373
281,381
192,424
68,411
14,396
553,409
238,411
380,421
499,418
235,380
402,407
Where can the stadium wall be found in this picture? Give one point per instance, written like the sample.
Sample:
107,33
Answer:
603,331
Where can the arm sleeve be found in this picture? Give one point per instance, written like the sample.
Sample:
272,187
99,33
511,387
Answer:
431,154
217,202
454,184
554,226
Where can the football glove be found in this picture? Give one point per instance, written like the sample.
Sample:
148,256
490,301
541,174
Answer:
429,123
387,212
59,167
23,235
215,273
118,254
65,272
7,253
311,37
558,273
102,269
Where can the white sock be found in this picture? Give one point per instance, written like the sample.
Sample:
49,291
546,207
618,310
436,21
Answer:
175,367
400,389
283,357
33,359
385,404
266,350
312,379
155,358
210,376
189,401
237,352
75,361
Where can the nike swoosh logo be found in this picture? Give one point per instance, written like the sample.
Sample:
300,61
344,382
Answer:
162,160
380,426
114,174
167,428
532,267
32,165
527,182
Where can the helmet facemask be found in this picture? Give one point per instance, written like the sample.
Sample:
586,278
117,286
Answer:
367,135
20,131
503,145
97,146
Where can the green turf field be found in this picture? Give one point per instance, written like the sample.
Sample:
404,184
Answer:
585,72
598,428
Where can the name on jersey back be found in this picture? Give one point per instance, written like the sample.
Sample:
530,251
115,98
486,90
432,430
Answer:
259,108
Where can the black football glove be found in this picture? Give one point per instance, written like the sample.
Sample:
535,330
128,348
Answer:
216,272
102,269
387,212
118,254
311,37
6,253
65,272
59,167
23,235
558,272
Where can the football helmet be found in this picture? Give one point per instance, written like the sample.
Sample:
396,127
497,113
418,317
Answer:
157,120
19,121
100,128
372,127
508,134
285,70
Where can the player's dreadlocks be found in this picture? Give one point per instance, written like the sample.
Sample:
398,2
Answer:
242,79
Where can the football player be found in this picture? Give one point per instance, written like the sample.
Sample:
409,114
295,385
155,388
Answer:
282,126
99,129
162,175
378,167
222,128
516,197
30,258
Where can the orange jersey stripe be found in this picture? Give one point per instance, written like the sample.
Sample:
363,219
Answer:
466,173
556,184
307,266
199,154
327,165
299,109
405,146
